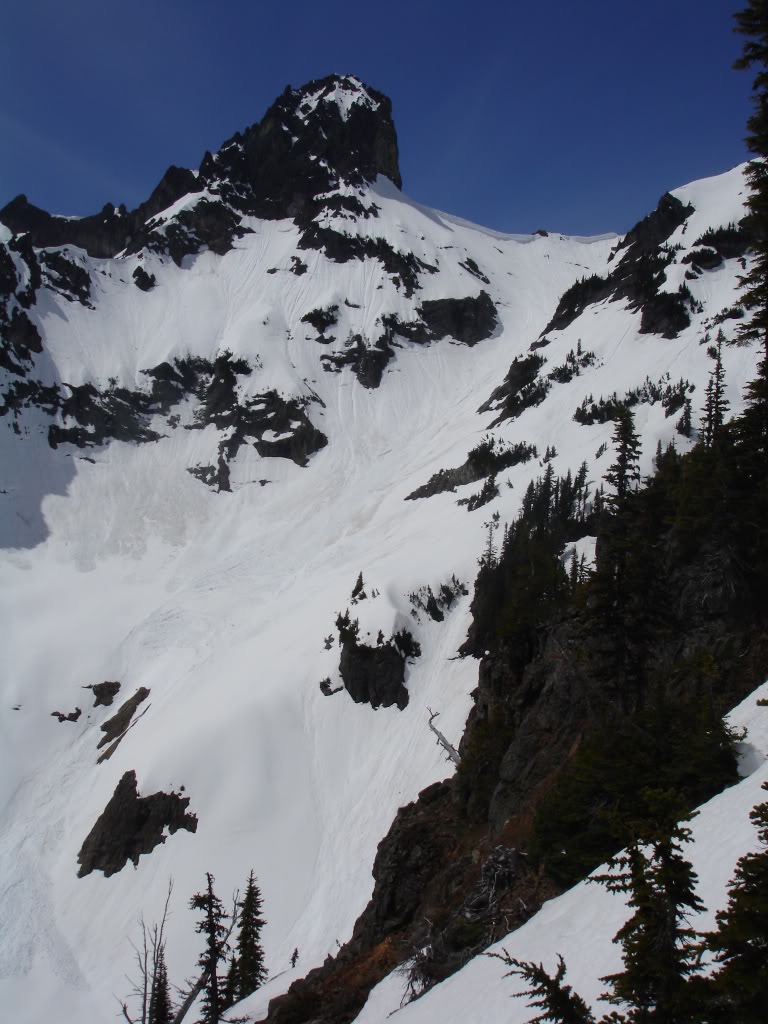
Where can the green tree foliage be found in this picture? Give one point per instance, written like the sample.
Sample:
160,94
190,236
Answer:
522,586
251,972
752,432
624,474
658,945
229,991
716,404
548,992
739,988
752,23
662,981
160,1007
608,785
211,925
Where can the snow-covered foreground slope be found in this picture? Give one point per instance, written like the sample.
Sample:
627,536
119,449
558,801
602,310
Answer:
580,925
119,565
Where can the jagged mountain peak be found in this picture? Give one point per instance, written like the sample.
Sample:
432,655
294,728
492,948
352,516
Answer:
331,132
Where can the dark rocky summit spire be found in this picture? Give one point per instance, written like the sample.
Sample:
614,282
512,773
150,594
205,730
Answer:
332,132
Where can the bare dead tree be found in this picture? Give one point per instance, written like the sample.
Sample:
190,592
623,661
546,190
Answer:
147,955
451,752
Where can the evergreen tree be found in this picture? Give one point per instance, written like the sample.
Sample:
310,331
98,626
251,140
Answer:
716,404
624,474
753,24
229,991
160,1007
251,972
658,946
752,429
740,985
212,926
557,1001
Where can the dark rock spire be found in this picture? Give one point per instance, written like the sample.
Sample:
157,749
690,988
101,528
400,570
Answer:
332,132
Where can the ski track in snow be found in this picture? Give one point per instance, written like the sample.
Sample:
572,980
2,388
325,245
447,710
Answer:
129,569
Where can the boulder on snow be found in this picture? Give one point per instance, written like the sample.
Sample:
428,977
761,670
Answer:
374,675
131,825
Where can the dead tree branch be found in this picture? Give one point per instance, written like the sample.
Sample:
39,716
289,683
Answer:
199,985
451,752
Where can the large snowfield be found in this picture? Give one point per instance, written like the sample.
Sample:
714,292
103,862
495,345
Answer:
117,564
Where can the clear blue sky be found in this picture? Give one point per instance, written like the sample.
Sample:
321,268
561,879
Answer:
573,116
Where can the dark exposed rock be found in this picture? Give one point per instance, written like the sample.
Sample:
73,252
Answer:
175,183
131,825
104,234
665,314
22,394
207,225
216,477
19,338
300,438
290,164
23,248
640,271
575,300
438,889
468,320
8,276
304,146
403,267
649,233
298,267
277,427
704,258
21,342
104,693
116,414
66,277
731,241
472,268
71,717
405,863
367,363
637,277
488,458
144,280
374,675
116,726
322,318
522,389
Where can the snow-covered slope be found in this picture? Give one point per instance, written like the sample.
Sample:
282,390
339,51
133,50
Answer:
216,589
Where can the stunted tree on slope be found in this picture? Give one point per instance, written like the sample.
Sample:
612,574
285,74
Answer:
211,924
251,972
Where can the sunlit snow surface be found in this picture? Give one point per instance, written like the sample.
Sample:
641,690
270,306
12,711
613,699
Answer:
127,568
